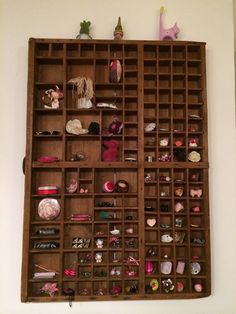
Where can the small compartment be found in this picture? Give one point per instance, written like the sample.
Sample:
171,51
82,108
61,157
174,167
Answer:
84,288
178,67
131,90
44,262
164,67
179,81
131,287
131,103
181,252
166,252
194,97
164,96
100,288
48,147
150,190
131,77
78,238
164,52
80,67
57,50
46,177
42,50
130,64
150,81
194,67
151,236
194,82
101,51
165,191
87,50
85,146
179,96
70,263
150,52
84,272
78,205
179,52
115,288
131,51
150,95
116,51
200,285
49,71
194,52
102,72
152,286
165,222
164,81
164,111
115,257
150,66
72,50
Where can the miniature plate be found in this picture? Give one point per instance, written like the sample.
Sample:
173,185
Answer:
49,208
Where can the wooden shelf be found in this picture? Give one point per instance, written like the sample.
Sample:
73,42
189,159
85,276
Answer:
162,82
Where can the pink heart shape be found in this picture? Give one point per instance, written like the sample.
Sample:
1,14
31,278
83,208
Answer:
151,222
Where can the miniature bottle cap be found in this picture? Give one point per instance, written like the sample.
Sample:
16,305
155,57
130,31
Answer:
49,208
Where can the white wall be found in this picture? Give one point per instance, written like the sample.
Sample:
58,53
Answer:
199,20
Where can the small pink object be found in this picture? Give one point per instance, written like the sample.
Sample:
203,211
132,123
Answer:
49,288
196,209
198,287
179,207
47,159
149,267
179,286
180,267
178,143
69,272
108,187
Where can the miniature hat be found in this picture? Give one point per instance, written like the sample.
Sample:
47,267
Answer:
75,127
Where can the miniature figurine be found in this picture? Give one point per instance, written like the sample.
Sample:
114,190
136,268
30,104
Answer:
167,33
99,243
51,98
118,32
98,257
84,30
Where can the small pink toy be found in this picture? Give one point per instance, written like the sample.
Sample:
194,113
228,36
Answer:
167,33
111,152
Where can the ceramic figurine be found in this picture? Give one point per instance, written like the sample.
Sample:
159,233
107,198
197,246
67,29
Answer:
196,192
51,98
164,142
84,30
167,33
118,32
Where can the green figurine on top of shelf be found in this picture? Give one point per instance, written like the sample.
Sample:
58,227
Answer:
118,32
84,30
